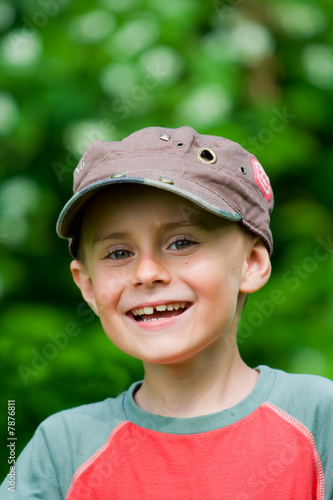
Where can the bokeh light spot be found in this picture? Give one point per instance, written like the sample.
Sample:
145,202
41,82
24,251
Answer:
251,42
205,107
117,78
299,19
92,27
21,48
9,113
79,135
19,196
318,65
164,62
135,35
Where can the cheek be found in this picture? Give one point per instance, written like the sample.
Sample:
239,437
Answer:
210,273
108,287
218,283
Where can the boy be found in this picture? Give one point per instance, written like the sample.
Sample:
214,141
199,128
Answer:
169,231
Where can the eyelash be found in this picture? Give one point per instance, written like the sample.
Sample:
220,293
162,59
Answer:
183,239
116,250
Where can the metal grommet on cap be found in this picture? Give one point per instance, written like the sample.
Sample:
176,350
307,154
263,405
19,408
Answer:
206,155
117,176
243,170
180,144
166,180
165,137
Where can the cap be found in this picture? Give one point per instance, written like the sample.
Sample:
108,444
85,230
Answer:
215,173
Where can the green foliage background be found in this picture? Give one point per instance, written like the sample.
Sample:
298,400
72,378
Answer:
259,72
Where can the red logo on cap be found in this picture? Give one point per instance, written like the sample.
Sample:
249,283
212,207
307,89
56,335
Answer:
261,179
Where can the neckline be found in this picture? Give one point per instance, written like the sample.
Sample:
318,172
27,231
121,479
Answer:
204,423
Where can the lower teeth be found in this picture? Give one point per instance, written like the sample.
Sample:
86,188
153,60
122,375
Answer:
140,318
152,319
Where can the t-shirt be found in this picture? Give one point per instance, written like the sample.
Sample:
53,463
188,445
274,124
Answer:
276,444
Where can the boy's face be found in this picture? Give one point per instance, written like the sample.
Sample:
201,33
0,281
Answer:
149,251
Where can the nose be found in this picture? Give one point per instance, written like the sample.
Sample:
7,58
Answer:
150,271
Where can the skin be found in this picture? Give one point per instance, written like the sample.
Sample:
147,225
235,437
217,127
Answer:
144,246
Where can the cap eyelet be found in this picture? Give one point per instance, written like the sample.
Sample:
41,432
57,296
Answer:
243,170
180,144
166,180
206,155
117,176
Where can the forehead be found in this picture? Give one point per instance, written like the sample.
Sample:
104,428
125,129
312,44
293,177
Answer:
129,201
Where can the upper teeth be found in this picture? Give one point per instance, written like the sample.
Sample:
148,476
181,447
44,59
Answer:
162,307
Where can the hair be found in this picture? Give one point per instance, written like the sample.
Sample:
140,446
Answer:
77,248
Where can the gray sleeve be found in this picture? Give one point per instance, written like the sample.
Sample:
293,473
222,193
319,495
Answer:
309,399
35,476
60,445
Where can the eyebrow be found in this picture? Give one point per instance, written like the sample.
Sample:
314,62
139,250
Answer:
185,223
191,221
110,236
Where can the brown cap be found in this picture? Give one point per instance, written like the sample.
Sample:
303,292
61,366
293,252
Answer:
215,173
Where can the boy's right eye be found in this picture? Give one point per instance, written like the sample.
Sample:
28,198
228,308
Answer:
119,254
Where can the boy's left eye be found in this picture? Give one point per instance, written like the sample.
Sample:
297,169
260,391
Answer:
181,244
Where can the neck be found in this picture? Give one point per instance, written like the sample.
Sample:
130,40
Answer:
196,387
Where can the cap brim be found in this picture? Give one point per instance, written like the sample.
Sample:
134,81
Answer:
68,221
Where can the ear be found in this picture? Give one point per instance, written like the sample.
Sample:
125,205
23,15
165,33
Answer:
83,280
257,267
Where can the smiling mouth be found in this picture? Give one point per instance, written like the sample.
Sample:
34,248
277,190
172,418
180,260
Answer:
162,311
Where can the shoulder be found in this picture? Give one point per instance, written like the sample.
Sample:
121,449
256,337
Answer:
67,439
308,398
81,429
102,415
319,388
